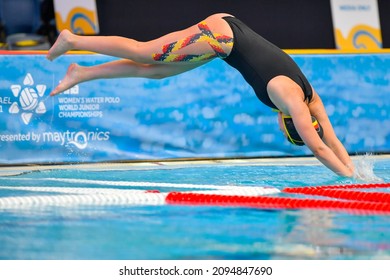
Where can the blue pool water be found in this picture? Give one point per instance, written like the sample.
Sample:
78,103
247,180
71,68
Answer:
188,232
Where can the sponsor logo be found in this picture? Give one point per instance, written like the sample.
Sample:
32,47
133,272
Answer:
68,138
29,99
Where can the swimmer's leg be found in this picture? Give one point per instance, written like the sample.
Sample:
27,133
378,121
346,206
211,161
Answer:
123,68
204,41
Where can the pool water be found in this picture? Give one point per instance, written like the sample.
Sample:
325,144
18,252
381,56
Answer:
179,232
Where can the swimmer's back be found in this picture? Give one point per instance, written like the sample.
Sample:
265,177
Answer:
259,61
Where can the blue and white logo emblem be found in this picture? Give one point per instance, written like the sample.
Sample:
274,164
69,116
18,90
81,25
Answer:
29,99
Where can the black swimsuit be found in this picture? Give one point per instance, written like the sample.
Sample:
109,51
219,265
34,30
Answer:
259,61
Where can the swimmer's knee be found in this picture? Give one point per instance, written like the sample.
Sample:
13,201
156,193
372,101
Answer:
139,52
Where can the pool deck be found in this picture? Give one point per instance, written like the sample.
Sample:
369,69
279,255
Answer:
14,170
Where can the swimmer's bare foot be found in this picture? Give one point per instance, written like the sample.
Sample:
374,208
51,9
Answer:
73,77
61,46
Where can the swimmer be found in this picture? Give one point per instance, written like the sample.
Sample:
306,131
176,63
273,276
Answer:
275,77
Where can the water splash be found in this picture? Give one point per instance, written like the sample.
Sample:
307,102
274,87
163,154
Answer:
364,169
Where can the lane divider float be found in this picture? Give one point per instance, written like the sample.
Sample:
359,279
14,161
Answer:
343,197
277,203
347,192
65,196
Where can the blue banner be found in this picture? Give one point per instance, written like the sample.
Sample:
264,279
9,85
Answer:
207,112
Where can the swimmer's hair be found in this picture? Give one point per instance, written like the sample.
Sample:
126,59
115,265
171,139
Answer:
293,135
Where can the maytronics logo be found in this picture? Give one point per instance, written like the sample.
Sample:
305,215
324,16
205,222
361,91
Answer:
29,99
79,139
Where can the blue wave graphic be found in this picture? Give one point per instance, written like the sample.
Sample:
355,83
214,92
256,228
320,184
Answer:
362,33
79,16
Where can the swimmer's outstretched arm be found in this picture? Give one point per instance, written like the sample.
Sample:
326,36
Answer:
327,150
288,97
338,163
330,138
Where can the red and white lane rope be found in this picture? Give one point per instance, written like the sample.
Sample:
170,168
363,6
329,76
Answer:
347,199
267,202
344,197
65,196
347,192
